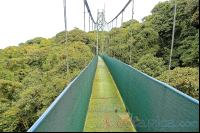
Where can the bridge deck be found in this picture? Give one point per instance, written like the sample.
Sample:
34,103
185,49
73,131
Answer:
105,99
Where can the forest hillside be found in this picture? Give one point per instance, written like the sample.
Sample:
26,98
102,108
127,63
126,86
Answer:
34,73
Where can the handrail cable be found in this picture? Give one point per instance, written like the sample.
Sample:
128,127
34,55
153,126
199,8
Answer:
120,11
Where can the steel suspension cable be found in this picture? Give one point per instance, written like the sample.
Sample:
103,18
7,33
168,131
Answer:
85,34
112,39
131,31
86,4
109,39
92,41
172,43
97,50
89,36
102,36
115,39
121,37
121,11
92,25
89,23
65,18
95,42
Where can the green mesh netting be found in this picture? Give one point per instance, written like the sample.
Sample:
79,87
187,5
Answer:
105,99
153,105
70,112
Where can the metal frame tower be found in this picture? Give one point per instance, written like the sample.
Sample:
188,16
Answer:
100,26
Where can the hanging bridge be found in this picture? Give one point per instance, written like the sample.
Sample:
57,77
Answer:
111,96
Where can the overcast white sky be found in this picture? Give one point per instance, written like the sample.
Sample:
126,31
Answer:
22,20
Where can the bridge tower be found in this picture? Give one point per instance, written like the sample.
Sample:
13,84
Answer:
101,27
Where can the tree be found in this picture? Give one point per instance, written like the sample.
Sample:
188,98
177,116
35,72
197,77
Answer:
185,80
192,9
144,43
36,40
34,73
8,88
151,65
20,44
189,51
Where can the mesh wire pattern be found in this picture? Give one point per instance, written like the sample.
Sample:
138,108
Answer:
105,99
68,114
153,106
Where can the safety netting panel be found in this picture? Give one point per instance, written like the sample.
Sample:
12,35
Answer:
106,112
69,110
153,105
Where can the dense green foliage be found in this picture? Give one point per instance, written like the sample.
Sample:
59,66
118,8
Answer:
33,74
151,44
154,35
184,79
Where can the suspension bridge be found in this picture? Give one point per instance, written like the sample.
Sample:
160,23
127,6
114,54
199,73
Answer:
111,96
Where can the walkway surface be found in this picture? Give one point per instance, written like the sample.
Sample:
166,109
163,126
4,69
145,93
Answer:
106,111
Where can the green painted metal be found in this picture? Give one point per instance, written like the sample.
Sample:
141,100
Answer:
104,101
153,105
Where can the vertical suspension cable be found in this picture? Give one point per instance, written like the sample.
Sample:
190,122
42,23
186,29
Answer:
109,38
65,18
92,41
121,37
115,39
92,25
112,39
172,43
89,22
89,36
97,50
131,31
95,42
102,35
84,33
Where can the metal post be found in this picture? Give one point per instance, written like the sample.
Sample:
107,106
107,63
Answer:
65,17
172,43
